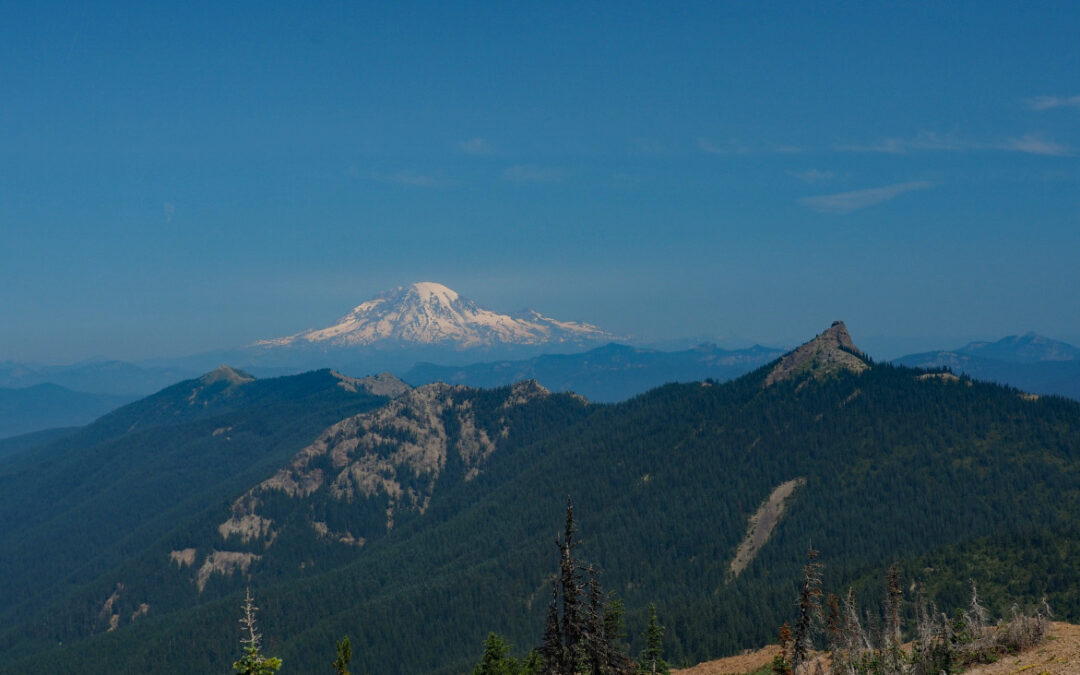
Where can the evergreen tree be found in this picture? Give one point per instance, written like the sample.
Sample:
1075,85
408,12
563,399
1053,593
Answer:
572,623
253,662
652,661
344,655
496,659
584,638
551,649
604,630
809,611
533,664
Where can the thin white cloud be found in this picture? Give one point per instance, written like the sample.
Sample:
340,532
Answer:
846,202
525,173
477,146
1049,102
1035,145
926,140
730,147
736,147
169,209
929,141
813,175
412,178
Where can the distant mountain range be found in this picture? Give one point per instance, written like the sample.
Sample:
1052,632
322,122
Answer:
95,377
45,406
1030,362
610,373
426,332
416,520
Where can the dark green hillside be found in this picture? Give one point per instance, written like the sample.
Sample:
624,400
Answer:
896,466
17,444
148,574
84,504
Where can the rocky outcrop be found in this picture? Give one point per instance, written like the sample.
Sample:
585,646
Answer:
183,558
223,562
395,454
827,354
247,526
525,391
383,384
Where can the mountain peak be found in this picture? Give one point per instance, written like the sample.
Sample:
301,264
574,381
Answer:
827,353
226,374
1027,348
429,291
428,313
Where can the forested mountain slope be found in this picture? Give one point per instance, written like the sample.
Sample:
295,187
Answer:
86,502
892,463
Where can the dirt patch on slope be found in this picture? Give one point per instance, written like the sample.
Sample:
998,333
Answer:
734,665
762,523
1058,655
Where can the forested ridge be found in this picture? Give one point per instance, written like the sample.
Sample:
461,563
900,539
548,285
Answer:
935,473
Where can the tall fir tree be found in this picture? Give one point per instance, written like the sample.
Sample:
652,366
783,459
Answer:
573,627
652,658
582,639
809,612
551,649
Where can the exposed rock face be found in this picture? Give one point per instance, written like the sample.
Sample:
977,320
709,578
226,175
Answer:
223,562
383,384
944,377
395,454
525,391
247,527
108,611
143,610
184,557
826,354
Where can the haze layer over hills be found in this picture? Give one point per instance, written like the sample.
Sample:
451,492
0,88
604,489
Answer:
426,332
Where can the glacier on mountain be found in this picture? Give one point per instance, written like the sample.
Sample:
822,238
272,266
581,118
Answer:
428,313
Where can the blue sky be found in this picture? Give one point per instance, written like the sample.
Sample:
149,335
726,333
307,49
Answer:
181,178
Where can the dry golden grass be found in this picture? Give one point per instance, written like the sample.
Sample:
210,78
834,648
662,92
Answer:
1059,654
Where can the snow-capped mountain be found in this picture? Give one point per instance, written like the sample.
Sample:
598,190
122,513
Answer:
431,314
